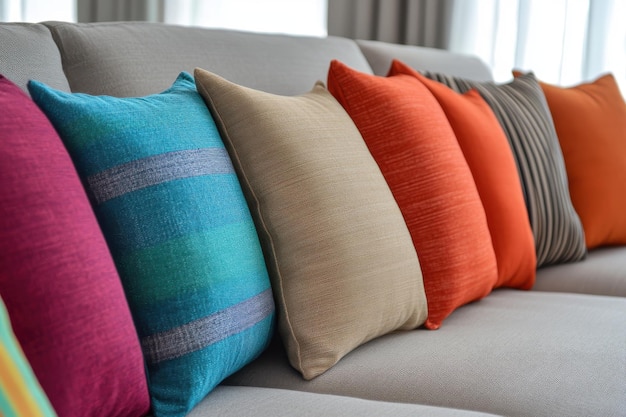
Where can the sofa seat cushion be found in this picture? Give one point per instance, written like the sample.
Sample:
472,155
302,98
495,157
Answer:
513,353
255,401
603,272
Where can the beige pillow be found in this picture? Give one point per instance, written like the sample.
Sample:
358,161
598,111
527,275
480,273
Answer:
343,267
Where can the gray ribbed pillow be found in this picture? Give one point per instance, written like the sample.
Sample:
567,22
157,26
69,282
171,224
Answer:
521,109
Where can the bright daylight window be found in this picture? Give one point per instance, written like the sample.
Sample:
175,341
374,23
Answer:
297,17
562,41
37,10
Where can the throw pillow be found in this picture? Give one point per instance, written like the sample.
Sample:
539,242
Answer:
340,254
57,278
523,113
411,140
20,392
590,121
490,159
171,207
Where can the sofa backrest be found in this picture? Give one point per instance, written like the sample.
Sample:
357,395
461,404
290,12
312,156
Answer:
380,54
137,58
134,59
28,51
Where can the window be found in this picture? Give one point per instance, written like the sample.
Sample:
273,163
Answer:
301,17
37,10
562,41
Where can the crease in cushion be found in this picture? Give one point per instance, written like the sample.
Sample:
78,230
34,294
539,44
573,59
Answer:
521,108
20,392
590,122
171,207
57,278
340,256
489,156
410,138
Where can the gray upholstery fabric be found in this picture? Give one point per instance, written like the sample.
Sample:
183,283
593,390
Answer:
380,55
134,59
253,402
27,51
513,353
603,272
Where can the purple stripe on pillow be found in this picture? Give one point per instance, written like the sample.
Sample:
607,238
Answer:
208,330
146,172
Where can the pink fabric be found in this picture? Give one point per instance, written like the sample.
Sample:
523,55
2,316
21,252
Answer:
57,278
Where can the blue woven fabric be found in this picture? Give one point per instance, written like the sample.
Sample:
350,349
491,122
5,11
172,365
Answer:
173,213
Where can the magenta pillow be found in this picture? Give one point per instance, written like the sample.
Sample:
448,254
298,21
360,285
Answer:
57,278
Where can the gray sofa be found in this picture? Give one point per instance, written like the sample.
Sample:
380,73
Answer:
558,350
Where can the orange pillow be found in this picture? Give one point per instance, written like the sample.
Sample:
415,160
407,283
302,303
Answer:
490,158
590,122
411,140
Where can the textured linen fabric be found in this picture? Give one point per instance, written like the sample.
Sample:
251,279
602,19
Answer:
20,392
603,272
57,278
172,210
514,353
380,55
410,138
253,402
522,111
341,259
490,159
28,51
95,57
590,122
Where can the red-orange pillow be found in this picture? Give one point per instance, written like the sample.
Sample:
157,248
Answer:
411,140
490,158
590,122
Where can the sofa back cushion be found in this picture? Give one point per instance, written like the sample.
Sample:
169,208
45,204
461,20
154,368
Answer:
380,55
27,51
135,59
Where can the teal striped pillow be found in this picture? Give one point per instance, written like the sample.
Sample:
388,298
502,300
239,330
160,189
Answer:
173,213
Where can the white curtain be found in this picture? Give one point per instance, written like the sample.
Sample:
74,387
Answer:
297,17
37,10
414,22
563,41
